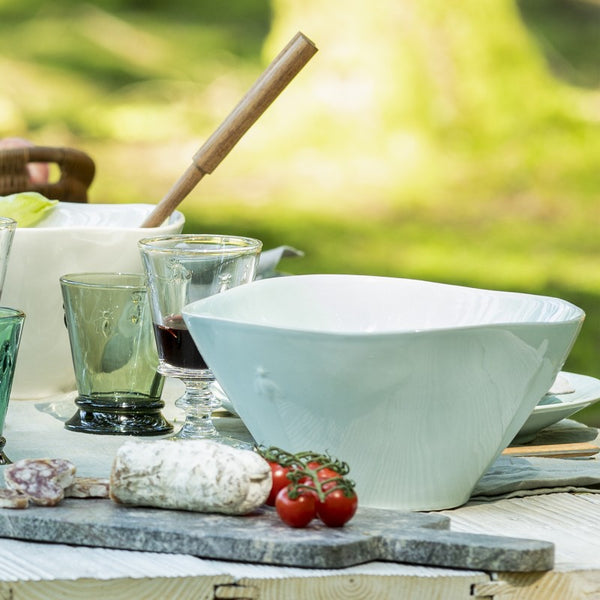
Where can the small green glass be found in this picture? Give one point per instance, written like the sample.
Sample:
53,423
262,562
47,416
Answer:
7,232
114,355
11,325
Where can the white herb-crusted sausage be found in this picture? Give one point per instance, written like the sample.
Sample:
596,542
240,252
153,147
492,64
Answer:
196,475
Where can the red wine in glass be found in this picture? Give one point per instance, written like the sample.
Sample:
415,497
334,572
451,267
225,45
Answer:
176,346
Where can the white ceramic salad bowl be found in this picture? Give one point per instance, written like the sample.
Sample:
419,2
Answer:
417,385
74,238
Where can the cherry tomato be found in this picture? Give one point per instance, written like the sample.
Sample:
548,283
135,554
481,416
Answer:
323,473
313,464
280,480
296,512
337,508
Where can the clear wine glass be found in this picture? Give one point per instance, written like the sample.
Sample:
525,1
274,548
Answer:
181,269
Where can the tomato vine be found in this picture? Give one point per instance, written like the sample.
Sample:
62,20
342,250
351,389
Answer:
308,485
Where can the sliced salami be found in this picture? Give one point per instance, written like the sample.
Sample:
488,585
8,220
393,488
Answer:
65,470
42,480
88,487
12,499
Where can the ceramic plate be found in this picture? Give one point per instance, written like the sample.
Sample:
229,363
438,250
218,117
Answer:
555,407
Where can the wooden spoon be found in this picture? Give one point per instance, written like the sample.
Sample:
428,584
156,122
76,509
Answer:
286,65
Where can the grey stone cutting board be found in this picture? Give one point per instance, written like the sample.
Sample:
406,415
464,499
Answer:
261,537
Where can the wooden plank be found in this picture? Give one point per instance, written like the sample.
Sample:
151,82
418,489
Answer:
370,580
159,588
553,585
235,591
390,587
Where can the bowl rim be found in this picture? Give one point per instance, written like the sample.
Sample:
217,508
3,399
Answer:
578,314
173,220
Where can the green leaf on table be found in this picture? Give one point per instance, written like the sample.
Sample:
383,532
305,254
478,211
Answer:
26,208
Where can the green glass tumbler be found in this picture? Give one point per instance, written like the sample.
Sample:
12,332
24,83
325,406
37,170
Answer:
114,355
7,232
11,325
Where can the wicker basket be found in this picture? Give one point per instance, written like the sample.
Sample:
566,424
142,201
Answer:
77,171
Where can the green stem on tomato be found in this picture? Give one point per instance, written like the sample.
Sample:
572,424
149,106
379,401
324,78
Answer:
299,470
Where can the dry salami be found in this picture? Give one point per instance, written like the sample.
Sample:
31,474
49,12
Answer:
65,470
12,499
88,487
196,475
42,480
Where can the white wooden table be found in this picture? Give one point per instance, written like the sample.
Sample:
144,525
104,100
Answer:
41,570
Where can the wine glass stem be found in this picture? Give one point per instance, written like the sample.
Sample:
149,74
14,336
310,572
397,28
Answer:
198,403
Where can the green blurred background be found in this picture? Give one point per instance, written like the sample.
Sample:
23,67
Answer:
456,142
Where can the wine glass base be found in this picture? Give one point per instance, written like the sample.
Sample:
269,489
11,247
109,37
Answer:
143,418
191,433
198,403
4,460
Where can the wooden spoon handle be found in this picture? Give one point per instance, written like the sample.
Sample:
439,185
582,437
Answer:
284,67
